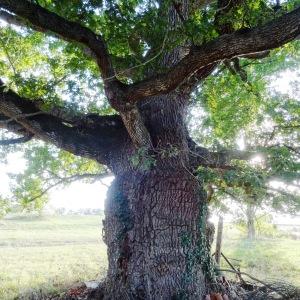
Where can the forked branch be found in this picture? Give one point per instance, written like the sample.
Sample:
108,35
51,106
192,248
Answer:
71,179
21,116
240,43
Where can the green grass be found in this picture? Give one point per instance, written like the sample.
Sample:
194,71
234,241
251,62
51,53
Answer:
49,254
269,259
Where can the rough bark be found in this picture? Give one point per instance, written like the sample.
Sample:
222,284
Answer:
90,136
153,234
155,215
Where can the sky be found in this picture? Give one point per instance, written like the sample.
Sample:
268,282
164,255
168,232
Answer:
81,195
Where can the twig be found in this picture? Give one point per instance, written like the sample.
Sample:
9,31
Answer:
278,127
233,268
143,63
10,61
233,259
253,278
69,179
224,7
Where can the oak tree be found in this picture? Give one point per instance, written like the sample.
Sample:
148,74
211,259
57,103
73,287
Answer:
113,82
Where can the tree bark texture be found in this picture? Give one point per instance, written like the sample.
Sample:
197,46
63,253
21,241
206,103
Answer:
153,234
155,217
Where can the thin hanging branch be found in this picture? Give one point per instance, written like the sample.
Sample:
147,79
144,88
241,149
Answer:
227,46
20,140
70,179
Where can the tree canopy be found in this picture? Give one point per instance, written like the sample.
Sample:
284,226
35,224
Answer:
70,69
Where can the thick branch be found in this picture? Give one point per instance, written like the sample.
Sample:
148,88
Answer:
280,191
199,76
90,138
200,156
240,43
11,19
255,279
44,20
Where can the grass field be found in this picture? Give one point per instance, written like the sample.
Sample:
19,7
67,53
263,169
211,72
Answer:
50,253
268,259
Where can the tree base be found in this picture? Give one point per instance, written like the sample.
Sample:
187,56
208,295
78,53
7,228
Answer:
82,292
228,291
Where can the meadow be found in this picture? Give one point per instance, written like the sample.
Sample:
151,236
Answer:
46,255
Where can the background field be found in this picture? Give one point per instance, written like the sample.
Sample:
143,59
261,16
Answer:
41,255
49,253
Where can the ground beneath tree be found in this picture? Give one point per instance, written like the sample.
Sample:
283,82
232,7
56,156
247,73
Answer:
91,290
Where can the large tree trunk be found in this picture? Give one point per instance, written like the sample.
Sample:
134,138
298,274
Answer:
155,216
154,233
155,225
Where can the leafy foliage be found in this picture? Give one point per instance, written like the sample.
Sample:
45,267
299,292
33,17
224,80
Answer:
43,67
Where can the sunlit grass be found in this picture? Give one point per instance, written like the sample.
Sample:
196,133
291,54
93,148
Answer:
269,259
49,254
